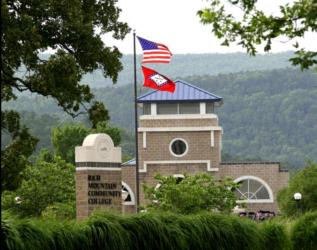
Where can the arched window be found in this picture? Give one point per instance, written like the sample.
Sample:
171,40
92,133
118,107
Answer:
127,195
253,190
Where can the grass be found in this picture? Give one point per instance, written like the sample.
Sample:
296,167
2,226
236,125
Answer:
158,231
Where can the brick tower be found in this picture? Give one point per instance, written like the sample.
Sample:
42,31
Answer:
180,133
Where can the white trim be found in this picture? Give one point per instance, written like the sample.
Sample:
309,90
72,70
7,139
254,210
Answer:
212,138
97,168
132,202
164,129
207,162
251,177
153,109
202,108
220,145
178,116
144,139
178,139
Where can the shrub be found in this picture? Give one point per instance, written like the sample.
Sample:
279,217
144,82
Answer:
304,232
191,194
60,211
274,235
145,231
304,182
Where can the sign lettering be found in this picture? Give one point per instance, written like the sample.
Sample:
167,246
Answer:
101,193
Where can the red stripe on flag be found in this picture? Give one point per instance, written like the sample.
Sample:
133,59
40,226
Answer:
167,57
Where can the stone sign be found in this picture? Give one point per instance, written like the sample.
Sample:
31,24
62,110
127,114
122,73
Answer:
98,175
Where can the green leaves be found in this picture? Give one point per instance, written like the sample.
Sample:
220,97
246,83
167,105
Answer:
66,137
71,29
44,184
305,59
98,113
14,157
256,28
304,182
192,194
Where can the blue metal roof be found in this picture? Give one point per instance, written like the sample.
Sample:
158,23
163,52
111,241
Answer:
129,163
184,92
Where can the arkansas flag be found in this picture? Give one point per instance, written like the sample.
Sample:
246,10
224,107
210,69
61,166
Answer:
155,80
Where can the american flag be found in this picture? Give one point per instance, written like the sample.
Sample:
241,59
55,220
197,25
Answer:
154,52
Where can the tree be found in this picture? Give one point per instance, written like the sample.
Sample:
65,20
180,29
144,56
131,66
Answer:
14,157
191,194
98,113
67,136
255,28
44,184
304,182
73,29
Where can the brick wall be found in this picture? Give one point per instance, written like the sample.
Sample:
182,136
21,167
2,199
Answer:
268,172
85,200
199,146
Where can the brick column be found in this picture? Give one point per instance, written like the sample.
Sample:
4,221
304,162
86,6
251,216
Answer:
98,176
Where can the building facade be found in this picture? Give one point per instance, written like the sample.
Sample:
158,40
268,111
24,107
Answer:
180,133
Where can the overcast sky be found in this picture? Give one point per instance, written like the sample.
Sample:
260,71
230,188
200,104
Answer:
175,24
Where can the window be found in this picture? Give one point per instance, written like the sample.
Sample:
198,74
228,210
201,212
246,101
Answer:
189,108
178,147
178,108
127,195
209,108
146,109
253,189
167,108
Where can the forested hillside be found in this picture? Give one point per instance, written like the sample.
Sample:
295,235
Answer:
270,115
188,65
196,64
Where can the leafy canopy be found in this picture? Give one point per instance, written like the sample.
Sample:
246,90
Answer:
191,194
14,157
73,30
50,180
304,182
67,136
255,27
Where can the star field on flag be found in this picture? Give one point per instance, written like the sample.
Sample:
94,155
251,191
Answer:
154,52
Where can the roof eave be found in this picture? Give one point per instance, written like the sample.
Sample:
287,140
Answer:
178,101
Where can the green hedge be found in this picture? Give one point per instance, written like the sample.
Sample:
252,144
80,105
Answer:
304,232
144,231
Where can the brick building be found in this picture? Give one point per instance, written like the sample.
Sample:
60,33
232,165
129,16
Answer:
180,133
